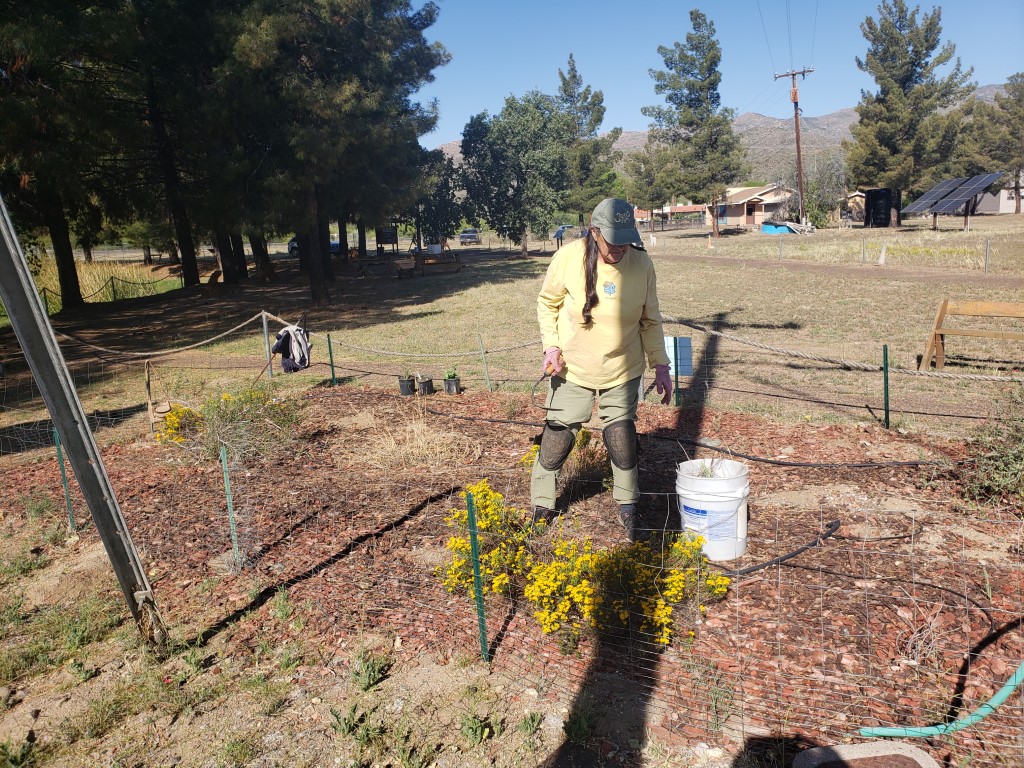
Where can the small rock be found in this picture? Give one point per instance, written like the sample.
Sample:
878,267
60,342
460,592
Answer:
5,694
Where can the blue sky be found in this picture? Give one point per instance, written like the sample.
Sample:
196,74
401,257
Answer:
508,48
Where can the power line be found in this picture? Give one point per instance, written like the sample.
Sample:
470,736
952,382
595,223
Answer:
814,32
763,29
789,34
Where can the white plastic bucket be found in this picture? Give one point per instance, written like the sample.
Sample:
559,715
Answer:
713,502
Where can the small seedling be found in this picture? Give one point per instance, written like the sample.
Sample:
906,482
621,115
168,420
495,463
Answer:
347,724
369,669
80,672
17,757
476,729
281,608
529,725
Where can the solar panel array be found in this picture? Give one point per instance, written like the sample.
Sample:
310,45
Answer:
952,194
933,195
965,193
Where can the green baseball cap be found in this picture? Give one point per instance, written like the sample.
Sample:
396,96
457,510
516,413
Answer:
614,217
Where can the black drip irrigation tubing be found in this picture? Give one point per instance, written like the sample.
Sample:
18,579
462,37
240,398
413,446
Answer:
699,443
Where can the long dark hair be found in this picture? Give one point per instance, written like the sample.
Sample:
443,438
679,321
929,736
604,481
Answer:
590,275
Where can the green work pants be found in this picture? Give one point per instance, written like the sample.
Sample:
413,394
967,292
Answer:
570,405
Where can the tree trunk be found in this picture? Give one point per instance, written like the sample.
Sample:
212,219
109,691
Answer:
147,255
361,232
343,233
87,252
324,231
317,279
238,254
63,252
1016,191
172,185
172,253
260,254
225,261
713,212
524,246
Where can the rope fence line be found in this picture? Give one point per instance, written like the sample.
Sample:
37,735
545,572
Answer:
849,364
852,365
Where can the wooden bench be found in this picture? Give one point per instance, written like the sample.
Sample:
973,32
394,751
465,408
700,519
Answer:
936,346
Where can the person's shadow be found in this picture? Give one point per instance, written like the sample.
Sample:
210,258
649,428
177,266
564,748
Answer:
611,710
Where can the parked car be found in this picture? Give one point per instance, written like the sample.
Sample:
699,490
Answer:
293,248
470,236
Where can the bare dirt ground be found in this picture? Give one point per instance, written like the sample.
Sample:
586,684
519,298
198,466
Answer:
905,607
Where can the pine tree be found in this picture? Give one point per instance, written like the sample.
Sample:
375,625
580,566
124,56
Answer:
1011,109
692,137
904,130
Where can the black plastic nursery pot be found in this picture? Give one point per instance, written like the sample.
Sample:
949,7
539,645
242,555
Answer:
407,386
451,386
426,386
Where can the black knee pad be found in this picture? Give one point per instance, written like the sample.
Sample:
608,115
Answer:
555,445
621,443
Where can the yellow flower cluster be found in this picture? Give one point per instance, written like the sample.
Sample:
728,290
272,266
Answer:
632,588
502,532
180,423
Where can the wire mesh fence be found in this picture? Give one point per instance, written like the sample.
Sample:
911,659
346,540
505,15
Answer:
907,613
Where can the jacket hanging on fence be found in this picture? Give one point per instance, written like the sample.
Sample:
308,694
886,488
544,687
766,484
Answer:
293,346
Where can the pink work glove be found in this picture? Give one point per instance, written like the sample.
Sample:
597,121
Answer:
663,383
553,362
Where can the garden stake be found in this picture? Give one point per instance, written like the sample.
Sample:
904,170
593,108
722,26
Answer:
988,247
113,290
64,479
885,381
483,356
330,356
231,507
676,391
478,590
266,346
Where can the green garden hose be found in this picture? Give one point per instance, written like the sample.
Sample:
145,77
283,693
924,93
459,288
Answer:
937,730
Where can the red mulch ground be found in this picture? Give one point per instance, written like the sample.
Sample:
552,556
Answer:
909,614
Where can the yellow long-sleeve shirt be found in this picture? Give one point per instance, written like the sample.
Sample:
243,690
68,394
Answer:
626,334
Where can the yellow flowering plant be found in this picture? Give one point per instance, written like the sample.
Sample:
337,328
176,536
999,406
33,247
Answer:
502,537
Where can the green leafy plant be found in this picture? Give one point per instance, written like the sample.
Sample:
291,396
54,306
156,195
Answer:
347,724
23,756
530,724
369,669
579,726
998,471
476,729
451,373
281,607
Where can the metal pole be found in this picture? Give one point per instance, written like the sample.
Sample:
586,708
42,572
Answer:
885,381
46,302
330,356
35,334
231,507
483,356
64,480
478,589
266,346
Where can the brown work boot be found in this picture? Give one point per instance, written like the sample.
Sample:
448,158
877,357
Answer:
633,522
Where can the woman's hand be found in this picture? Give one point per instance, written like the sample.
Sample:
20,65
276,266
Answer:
663,383
553,362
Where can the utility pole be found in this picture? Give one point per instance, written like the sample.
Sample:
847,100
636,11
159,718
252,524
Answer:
32,327
795,98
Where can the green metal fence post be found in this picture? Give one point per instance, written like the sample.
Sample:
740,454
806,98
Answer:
483,356
231,507
478,589
330,355
885,381
266,346
64,480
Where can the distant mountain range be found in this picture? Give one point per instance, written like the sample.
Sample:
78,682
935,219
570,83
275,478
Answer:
770,141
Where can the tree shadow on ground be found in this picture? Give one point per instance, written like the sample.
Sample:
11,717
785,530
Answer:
29,435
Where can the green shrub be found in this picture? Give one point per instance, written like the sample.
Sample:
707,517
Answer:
998,471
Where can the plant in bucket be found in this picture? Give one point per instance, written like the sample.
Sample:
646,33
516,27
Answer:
425,383
713,503
452,382
406,384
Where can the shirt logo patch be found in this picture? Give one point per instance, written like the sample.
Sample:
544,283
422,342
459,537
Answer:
609,289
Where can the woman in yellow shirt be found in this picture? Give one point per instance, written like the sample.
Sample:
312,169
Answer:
601,328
